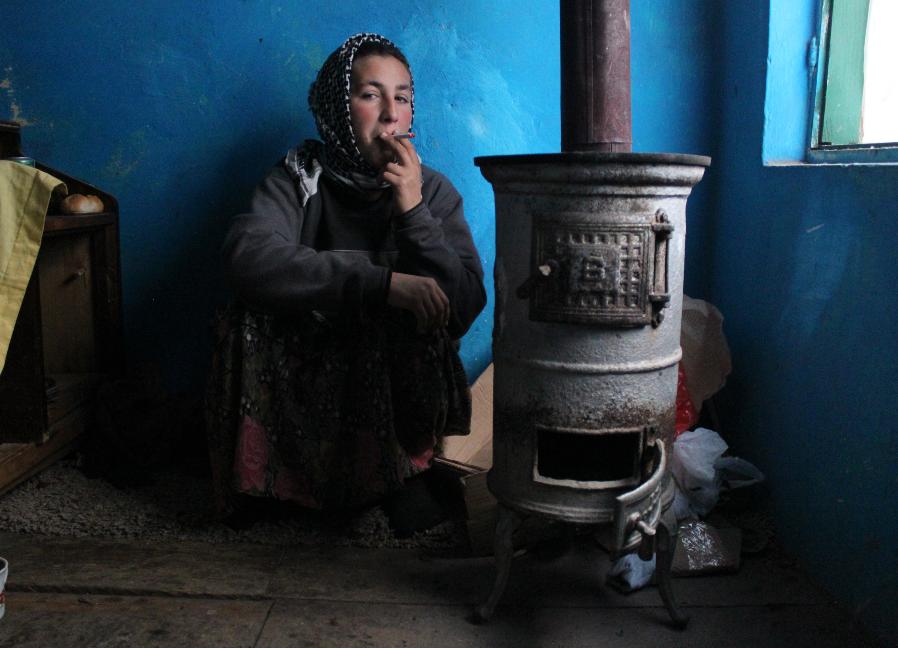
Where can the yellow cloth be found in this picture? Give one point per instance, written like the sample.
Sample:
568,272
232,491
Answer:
24,198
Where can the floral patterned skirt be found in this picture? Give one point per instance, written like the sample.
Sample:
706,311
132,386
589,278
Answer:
328,412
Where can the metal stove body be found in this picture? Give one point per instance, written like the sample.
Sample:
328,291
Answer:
588,300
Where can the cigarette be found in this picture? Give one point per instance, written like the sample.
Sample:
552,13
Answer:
408,135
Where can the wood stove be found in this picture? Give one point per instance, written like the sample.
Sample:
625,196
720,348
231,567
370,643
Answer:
588,301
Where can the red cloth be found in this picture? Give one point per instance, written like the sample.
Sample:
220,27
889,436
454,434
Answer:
686,414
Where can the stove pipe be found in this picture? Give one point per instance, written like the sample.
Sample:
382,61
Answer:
595,76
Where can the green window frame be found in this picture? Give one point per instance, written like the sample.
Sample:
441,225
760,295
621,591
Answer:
837,59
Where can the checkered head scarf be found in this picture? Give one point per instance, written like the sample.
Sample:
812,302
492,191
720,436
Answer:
329,100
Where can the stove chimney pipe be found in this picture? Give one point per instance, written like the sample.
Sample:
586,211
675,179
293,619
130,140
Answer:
595,76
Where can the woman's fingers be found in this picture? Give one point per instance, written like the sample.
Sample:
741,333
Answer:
425,313
403,173
409,154
403,149
436,307
421,295
397,149
405,154
443,314
441,310
393,169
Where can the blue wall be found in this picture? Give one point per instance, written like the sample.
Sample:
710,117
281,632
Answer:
180,112
804,271
676,105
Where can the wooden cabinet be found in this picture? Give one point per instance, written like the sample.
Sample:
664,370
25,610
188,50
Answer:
67,338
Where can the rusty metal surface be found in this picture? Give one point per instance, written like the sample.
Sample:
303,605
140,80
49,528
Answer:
595,75
599,366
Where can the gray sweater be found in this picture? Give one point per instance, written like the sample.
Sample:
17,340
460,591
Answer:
337,252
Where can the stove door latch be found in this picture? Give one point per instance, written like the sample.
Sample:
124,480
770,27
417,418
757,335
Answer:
546,271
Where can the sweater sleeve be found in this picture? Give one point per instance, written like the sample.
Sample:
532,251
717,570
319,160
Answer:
270,270
434,241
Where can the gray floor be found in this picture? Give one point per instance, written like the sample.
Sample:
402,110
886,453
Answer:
78,592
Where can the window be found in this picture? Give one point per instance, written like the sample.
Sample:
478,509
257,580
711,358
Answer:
856,104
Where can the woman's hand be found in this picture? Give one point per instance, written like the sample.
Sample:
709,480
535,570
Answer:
423,297
403,173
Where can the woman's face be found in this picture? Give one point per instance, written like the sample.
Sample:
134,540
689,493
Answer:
381,102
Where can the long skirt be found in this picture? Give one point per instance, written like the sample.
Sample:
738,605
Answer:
328,412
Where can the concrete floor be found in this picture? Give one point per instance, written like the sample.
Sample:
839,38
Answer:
67,592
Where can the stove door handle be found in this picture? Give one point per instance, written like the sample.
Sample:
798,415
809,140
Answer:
659,296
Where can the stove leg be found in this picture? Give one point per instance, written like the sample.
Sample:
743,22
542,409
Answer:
665,541
503,549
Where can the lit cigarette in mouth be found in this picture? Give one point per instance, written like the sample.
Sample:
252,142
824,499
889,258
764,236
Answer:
408,135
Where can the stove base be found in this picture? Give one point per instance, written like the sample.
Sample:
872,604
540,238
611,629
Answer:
661,543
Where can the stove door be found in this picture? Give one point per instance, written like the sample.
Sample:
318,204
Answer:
586,271
638,512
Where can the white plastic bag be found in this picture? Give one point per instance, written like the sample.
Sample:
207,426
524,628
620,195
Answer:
733,472
692,465
701,472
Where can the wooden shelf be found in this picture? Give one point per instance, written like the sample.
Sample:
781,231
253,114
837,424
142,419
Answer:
63,222
68,334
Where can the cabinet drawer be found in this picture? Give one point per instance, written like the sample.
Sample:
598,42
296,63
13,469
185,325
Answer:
67,304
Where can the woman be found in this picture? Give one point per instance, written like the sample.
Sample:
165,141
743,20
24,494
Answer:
337,373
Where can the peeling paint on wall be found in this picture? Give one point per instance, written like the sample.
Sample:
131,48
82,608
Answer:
314,55
126,158
15,110
17,116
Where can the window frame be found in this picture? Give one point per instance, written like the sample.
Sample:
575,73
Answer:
818,55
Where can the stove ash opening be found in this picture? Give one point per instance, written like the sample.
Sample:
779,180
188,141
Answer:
610,458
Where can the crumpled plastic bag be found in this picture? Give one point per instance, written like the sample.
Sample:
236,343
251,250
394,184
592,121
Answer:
706,355
692,467
701,472
733,472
